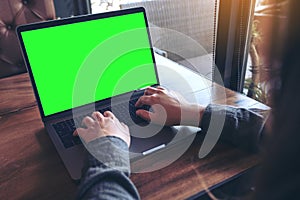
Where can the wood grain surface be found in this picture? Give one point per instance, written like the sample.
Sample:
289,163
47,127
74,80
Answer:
30,167
16,94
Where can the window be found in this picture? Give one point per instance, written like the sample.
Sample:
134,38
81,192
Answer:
261,70
206,36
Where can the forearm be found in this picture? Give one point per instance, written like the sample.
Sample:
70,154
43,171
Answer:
107,176
242,127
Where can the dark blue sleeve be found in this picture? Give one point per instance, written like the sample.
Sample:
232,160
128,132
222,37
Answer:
105,175
242,128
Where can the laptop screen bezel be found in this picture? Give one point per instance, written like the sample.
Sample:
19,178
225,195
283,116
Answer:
71,20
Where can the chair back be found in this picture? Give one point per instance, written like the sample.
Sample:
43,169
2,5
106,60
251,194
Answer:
12,14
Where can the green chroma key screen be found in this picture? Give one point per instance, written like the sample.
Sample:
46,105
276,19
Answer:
84,62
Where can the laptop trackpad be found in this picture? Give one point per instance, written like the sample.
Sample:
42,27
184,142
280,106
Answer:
143,139
140,143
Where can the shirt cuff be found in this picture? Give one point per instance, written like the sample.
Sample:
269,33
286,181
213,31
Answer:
242,127
109,152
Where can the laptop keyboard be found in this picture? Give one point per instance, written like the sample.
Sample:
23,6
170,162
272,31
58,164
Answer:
66,128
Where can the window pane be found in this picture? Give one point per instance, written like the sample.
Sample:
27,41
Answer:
269,23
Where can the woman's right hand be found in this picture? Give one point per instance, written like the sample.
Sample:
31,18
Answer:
168,108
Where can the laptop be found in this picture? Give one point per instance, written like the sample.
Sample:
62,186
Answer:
92,63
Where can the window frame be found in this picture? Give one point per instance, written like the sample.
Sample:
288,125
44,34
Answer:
232,42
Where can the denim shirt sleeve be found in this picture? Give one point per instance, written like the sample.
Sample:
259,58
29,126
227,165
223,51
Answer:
105,175
242,127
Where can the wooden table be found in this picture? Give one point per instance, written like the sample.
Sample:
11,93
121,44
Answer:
30,168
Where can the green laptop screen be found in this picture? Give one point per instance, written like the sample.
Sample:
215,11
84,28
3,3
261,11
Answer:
84,62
